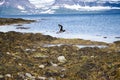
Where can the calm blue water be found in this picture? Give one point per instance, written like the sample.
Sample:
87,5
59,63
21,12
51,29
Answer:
86,26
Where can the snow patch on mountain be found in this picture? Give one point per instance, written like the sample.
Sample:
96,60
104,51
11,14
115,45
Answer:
88,8
49,11
42,3
2,2
20,7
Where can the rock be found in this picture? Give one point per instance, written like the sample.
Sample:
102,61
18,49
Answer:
51,78
31,50
27,49
1,76
28,75
62,70
23,28
62,76
41,66
21,75
53,64
61,59
92,56
8,75
18,25
39,55
7,21
8,53
104,37
20,64
117,37
42,78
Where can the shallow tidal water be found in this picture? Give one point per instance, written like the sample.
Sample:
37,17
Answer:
97,27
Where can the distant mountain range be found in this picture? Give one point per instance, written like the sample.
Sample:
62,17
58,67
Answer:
112,3
16,7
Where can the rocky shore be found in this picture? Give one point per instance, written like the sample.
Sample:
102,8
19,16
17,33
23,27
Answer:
33,56
8,21
28,56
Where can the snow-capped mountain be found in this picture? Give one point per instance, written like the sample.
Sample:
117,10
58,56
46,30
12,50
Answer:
88,3
55,6
73,6
15,6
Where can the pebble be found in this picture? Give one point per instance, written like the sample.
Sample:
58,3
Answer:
7,52
104,37
20,64
41,66
28,75
21,75
63,70
42,78
62,76
61,59
117,37
27,49
53,64
39,55
92,56
8,75
51,78
1,76
33,50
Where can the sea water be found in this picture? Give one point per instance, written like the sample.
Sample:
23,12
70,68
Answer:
93,26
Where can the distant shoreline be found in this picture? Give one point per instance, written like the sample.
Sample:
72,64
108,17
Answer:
9,21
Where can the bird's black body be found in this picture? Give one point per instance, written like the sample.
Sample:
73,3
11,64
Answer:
61,28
